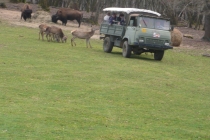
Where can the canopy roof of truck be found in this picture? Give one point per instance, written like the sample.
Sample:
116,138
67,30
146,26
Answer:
130,10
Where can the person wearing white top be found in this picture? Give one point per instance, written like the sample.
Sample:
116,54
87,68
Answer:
106,18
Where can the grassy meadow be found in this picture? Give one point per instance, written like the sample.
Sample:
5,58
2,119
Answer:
51,90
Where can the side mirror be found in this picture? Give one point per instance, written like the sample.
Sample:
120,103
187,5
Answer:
172,27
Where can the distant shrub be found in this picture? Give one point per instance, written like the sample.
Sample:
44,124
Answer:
44,5
2,5
16,1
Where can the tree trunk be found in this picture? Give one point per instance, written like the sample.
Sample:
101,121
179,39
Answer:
98,5
117,3
134,3
207,28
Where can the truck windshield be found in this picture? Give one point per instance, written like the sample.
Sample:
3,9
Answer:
147,22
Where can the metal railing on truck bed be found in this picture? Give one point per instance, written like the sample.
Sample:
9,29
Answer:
114,29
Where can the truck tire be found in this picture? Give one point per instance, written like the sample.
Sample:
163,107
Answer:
158,55
108,45
126,49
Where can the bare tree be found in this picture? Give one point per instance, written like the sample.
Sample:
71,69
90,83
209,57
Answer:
117,3
98,9
134,3
190,11
207,21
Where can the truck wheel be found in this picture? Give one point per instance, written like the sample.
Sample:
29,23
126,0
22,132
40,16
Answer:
108,45
158,55
126,50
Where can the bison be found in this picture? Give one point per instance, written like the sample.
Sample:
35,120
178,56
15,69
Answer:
26,12
65,14
54,19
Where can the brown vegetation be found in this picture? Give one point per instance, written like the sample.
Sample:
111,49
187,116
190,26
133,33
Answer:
176,37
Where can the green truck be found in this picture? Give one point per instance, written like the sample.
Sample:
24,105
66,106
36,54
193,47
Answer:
143,31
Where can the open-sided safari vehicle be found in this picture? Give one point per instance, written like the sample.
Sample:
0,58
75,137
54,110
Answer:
143,31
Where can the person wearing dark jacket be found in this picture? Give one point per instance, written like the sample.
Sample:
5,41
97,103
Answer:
112,19
121,19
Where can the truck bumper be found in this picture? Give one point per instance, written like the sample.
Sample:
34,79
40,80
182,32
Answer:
153,46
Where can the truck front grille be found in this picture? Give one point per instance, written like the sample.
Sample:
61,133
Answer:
154,41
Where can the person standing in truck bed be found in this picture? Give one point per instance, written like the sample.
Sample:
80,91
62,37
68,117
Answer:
121,19
106,17
113,19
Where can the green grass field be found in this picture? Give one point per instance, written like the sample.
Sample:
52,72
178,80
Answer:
51,90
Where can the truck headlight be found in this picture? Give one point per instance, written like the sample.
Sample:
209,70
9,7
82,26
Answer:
141,39
167,43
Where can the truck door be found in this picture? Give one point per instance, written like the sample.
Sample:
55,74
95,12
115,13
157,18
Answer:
131,30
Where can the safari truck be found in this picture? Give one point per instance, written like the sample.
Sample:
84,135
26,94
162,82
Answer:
143,31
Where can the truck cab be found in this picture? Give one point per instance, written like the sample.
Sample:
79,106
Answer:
143,31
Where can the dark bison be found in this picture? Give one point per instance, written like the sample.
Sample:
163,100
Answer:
65,14
26,12
54,19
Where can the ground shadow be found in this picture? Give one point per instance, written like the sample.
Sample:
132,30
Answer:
147,57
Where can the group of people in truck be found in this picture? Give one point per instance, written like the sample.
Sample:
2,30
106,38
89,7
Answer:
113,19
